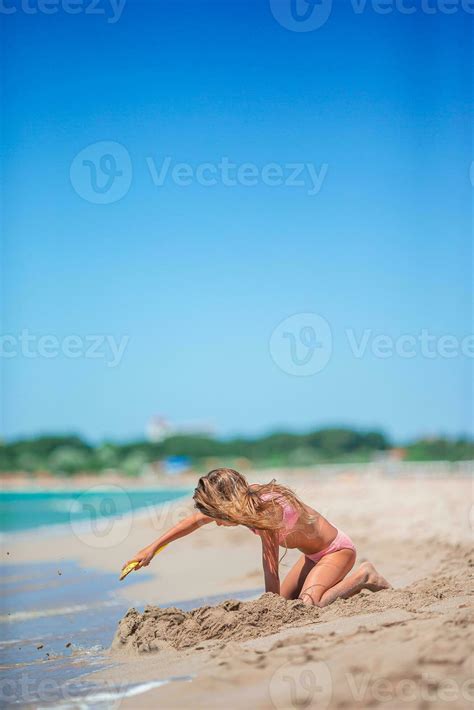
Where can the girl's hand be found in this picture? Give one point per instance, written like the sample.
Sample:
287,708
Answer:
144,557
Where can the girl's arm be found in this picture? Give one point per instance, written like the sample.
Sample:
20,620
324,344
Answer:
185,527
270,553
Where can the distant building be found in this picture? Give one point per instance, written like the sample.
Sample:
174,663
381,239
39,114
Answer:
158,429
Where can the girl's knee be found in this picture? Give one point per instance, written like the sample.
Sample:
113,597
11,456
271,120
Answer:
311,597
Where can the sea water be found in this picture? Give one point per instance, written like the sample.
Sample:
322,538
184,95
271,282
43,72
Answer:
55,631
24,510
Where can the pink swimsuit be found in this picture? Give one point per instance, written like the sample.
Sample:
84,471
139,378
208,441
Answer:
290,517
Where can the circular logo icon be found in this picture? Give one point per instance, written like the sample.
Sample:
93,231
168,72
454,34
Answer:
101,516
301,15
102,172
301,345
301,686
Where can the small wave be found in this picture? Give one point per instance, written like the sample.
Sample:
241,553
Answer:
107,696
13,642
59,611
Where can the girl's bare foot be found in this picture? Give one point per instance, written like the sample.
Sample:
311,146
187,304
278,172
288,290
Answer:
373,581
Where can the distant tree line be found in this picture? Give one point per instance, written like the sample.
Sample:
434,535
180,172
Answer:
71,454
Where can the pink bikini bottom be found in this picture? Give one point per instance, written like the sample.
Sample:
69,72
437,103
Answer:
340,542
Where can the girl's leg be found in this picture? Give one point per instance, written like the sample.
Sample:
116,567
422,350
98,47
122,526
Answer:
293,582
327,581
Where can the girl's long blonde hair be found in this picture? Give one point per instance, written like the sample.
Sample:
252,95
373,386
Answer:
224,494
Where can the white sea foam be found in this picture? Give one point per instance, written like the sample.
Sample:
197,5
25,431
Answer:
110,698
58,611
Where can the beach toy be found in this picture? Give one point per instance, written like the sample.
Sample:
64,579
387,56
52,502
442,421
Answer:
129,568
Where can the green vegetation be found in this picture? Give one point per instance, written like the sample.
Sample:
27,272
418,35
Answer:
441,450
70,454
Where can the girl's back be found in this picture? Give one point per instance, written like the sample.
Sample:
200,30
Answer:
304,532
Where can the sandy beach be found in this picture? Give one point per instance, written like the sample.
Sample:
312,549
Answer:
410,646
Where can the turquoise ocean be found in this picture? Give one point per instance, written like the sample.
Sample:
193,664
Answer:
44,508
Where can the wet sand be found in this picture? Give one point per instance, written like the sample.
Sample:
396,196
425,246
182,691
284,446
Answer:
409,646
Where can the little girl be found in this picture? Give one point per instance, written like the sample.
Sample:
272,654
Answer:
280,519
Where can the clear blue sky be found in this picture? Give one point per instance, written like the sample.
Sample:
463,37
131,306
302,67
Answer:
198,277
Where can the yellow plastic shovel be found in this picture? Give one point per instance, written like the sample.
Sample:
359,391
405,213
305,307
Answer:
129,568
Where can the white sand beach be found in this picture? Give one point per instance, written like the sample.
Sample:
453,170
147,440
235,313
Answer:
410,646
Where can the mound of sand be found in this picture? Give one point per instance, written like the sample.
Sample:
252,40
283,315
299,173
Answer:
157,629
162,629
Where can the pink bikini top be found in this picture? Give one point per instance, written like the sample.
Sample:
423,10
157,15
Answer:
290,515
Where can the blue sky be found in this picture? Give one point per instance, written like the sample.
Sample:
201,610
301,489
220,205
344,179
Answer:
196,277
